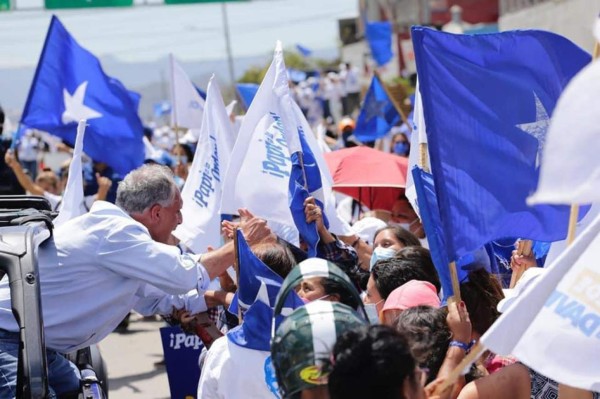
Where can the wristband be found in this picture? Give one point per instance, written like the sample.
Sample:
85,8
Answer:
462,345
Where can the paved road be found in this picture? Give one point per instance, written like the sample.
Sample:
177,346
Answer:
130,358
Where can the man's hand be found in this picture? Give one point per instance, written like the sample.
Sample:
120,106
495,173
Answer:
226,282
228,228
255,229
217,298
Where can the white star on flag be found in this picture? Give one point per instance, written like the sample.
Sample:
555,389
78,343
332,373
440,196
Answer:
75,110
263,296
375,109
538,128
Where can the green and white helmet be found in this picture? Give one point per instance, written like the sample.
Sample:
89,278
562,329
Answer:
302,345
309,268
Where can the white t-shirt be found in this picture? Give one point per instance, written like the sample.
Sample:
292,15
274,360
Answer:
231,372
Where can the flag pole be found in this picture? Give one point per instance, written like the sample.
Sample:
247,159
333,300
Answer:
174,105
455,283
236,266
393,100
424,157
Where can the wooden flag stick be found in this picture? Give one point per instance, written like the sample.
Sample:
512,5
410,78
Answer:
394,102
424,157
455,283
572,223
236,266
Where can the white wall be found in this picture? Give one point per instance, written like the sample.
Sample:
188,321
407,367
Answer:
573,19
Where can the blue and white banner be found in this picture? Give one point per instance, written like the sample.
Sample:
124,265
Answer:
554,325
201,193
260,167
181,360
259,170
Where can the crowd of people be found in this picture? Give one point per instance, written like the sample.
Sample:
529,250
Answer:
375,322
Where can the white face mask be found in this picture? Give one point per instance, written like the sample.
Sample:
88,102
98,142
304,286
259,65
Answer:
381,253
372,313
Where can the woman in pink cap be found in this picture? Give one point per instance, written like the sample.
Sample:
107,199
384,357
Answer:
411,294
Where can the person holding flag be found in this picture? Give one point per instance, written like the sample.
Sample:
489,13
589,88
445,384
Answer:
48,186
238,365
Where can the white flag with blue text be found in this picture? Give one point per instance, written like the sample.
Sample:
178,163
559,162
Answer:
202,191
187,104
554,325
259,170
72,202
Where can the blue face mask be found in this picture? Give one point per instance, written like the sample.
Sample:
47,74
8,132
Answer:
401,148
180,158
381,253
372,313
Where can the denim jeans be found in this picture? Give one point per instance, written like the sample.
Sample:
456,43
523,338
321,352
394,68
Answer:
63,376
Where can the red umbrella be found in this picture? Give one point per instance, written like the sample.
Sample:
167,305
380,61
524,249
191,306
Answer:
372,177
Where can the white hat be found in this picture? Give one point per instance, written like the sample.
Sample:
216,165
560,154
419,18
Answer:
366,228
511,294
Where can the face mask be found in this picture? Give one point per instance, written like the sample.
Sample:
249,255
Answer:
372,313
401,148
306,300
182,159
381,253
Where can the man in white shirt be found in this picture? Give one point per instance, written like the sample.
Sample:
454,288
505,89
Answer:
102,264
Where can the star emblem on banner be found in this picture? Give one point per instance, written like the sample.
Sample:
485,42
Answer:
375,109
75,110
263,296
539,127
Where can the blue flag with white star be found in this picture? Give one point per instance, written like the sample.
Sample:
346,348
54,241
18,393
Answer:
70,85
257,291
377,115
487,101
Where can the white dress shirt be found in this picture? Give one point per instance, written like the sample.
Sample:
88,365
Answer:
97,268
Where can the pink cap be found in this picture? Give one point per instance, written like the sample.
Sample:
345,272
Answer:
411,294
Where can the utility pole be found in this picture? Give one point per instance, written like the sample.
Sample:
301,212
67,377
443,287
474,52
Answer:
228,44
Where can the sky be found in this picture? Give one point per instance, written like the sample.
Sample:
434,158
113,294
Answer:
191,32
